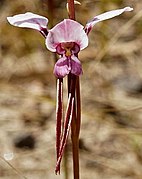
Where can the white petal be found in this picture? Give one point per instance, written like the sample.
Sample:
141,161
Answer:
29,20
105,16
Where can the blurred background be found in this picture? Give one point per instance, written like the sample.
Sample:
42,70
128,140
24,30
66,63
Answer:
111,87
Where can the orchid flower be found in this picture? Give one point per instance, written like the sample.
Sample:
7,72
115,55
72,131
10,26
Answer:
67,39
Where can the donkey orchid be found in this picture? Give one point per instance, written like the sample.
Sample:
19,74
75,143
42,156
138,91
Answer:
67,39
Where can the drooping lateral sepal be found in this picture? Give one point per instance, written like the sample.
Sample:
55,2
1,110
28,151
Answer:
59,113
67,124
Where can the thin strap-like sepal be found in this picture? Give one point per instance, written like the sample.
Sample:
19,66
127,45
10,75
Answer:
59,113
67,124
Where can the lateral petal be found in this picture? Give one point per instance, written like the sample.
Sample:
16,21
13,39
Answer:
105,16
29,20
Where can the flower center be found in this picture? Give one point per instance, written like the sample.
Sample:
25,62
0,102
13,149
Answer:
67,48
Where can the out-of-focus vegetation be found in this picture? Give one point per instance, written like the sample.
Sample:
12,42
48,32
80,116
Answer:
111,86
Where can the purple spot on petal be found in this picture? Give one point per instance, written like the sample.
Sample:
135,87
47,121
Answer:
96,19
44,31
92,20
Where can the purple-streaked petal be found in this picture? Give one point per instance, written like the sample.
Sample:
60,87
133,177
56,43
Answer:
66,31
105,16
29,20
76,67
61,68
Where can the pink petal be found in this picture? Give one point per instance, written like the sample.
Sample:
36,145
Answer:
29,20
105,16
61,68
66,31
76,68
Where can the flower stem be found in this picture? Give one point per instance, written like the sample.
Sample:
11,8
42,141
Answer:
74,89
75,149
71,9
78,105
74,136
66,162
74,127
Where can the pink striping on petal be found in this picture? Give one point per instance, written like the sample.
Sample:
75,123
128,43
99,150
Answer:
76,68
61,68
105,16
29,20
66,31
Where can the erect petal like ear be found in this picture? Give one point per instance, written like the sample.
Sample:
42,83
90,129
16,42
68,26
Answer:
29,20
105,16
66,31
76,68
61,68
